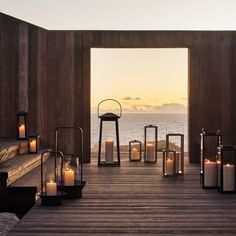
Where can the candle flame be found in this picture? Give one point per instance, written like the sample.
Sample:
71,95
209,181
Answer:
228,164
22,126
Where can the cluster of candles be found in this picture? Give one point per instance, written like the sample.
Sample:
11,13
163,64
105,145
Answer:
69,180
212,175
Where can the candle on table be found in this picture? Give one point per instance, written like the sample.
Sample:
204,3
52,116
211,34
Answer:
210,175
134,154
170,167
150,152
109,146
22,131
69,177
228,177
51,188
218,170
33,145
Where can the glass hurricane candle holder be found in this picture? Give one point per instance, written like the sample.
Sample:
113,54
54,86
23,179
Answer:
150,143
169,163
210,141
33,143
22,125
135,150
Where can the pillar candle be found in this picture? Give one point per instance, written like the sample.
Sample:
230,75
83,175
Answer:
134,154
109,146
170,167
51,188
150,154
33,145
22,131
210,175
228,177
218,172
69,177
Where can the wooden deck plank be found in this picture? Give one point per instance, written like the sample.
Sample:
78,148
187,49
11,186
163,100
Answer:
136,200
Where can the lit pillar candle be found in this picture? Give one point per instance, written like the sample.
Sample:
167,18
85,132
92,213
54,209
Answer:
210,175
22,131
218,174
228,177
109,146
33,145
134,154
170,167
51,188
69,177
150,152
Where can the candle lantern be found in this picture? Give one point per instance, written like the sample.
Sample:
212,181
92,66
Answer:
179,162
22,125
150,143
135,150
33,143
107,157
50,196
228,169
168,162
210,141
72,181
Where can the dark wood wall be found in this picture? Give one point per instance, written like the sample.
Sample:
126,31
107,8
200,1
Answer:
48,74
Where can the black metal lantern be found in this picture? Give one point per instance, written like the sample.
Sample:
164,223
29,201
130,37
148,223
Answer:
107,158
228,169
22,125
210,141
33,143
150,143
179,162
135,150
72,181
169,163
50,196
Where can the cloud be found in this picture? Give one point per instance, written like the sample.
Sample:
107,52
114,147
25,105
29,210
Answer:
130,98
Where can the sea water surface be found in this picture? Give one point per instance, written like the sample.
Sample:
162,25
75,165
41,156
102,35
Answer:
131,126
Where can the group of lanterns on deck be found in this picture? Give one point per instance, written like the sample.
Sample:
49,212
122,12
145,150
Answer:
218,163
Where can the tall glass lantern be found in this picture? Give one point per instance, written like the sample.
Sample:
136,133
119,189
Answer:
107,157
228,169
150,143
135,150
179,162
22,125
169,163
33,143
210,142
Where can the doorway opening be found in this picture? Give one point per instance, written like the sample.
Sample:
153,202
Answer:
150,83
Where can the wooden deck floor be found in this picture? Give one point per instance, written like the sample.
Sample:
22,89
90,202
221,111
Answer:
136,200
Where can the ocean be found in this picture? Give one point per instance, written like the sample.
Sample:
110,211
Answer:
131,126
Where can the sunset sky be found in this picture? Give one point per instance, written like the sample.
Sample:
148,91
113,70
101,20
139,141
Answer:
142,80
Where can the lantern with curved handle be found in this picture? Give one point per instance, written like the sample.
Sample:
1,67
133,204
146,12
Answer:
109,99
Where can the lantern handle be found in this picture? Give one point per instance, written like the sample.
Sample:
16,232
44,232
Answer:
109,99
56,153
82,144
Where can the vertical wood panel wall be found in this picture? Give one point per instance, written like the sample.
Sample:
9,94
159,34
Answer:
48,74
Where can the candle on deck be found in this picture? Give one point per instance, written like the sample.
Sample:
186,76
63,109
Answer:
69,177
22,131
51,188
218,170
210,175
150,152
134,154
170,167
228,177
33,145
109,146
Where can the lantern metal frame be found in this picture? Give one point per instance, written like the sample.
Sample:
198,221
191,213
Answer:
24,116
51,200
32,137
73,191
111,117
218,137
164,162
135,143
180,171
146,127
223,150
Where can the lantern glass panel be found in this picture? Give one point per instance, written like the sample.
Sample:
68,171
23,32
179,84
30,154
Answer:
135,151
33,143
169,163
22,125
